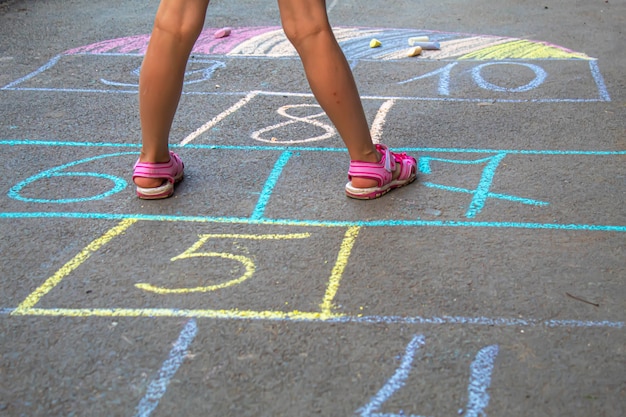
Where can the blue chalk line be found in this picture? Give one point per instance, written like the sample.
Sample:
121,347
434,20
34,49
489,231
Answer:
270,184
26,142
320,223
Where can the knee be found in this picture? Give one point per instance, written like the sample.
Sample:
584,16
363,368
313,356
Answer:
183,27
298,32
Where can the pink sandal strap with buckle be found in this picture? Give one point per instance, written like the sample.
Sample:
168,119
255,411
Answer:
171,171
382,173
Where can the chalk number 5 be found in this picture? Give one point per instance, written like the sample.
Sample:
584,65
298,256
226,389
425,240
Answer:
194,251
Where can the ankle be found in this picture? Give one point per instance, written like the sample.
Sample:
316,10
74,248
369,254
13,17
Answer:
154,157
371,155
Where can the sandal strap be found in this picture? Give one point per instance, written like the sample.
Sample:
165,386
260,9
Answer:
408,165
171,170
381,171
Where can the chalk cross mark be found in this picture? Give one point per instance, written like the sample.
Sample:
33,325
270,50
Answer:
482,191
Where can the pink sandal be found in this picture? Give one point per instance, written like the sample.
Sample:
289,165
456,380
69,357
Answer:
171,171
382,172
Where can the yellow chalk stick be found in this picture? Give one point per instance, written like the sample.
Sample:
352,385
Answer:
375,43
415,51
415,39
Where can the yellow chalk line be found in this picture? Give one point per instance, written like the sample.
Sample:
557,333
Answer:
244,260
71,265
26,306
337,272
171,312
523,49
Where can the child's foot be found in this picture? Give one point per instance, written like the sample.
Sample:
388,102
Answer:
371,180
155,180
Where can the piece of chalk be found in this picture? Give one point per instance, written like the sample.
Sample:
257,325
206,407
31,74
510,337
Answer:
418,39
415,51
222,33
375,43
426,45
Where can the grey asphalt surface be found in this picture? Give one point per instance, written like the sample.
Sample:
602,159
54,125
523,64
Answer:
494,285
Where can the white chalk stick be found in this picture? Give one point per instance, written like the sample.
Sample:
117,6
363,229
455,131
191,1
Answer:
426,45
222,33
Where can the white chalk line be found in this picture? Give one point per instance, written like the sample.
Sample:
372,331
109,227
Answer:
158,386
376,131
214,121
480,380
397,381
330,130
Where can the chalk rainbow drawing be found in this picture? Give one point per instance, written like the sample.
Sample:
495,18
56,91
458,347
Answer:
270,41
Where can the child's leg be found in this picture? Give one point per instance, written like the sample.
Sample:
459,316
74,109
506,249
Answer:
306,25
177,25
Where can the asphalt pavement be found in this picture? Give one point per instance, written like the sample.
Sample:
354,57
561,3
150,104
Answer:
493,285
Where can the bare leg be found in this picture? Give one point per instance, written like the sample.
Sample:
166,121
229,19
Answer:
177,25
306,25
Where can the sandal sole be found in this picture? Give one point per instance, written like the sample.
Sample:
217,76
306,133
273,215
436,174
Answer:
379,192
158,193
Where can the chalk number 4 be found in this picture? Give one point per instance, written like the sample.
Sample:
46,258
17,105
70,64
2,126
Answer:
480,379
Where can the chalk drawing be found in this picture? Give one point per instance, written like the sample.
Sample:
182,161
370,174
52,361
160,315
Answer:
394,383
540,76
191,76
498,48
72,264
326,313
376,131
270,43
461,55
246,261
479,197
337,272
118,183
481,193
245,148
217,119
444,78
329,130
480,380
270,183
314,223
175,359
316,317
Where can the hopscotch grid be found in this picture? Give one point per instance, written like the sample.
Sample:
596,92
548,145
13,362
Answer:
295,148
315,223
603,95
258,218
178,352
312,317
308,95
27,307
326,306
